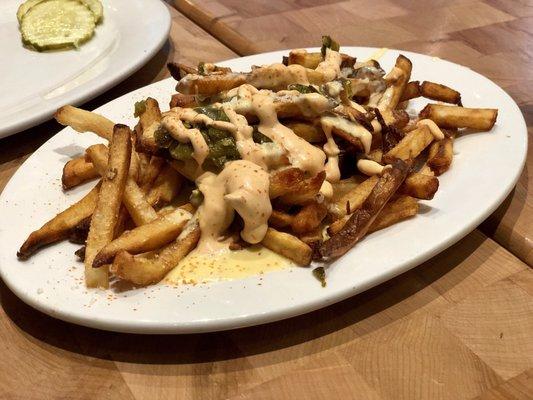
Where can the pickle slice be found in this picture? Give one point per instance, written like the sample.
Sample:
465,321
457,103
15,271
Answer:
25,7
96,7
56,24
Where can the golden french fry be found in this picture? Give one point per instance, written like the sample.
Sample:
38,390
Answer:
353,199
420,185
412,144
76,172
360,221
279,219
180,70
440,156
85,121
307,131
309,218
138,207
344,186
151,113
288,246
107,209
165,187
411,91
305,59
480,119
183,100
148,269
208,85
398,78
436,91
61,226
145,238
395,211
284,181
305,192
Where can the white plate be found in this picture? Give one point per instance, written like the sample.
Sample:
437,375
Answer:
485,169
35,84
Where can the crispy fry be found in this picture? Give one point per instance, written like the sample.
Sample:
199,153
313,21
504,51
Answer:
179,70
279,219
284,181
420,185
360,221
151,113
145,238
107,209
480,119
61,226
398,78
305,59
183,100
311,133
353,199
148,269
165,187
411,91
394,211
76,172
85,121
79,233
288,246
410,146
208,85
309,218
440,156
138,207
306,191
436,91
151,172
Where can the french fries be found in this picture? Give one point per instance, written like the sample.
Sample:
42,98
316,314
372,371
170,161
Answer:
61,226
354,198
138,207
148,237
148,269
410,146
361,220
85,121
107,209
394,211
411,91
436,91
288,246
76,172
309,218
440,156
315,144
165,187
479,119
305,192
420,185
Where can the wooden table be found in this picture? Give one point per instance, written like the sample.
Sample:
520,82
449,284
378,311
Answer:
457,327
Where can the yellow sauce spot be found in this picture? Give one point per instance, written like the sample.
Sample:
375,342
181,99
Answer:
230,265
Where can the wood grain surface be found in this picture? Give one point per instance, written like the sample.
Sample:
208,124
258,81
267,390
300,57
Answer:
457,327
492,37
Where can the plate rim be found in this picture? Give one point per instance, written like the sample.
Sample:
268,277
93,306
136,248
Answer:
216,324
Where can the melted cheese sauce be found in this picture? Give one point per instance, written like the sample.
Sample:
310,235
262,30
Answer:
199,268
351,127
433,128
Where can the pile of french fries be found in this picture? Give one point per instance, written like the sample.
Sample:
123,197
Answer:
141,218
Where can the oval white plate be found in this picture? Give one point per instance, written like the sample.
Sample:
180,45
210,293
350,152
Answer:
36,84
485,168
